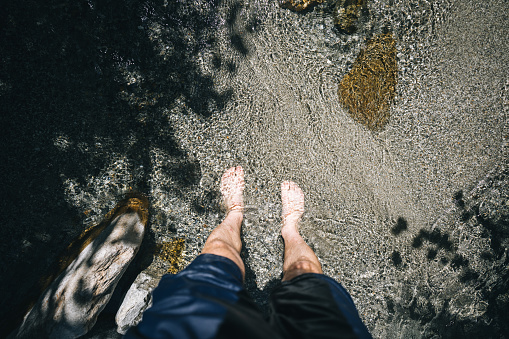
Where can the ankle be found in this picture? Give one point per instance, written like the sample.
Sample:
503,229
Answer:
290,231
235,214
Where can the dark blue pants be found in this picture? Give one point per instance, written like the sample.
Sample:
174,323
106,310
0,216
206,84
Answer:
207,300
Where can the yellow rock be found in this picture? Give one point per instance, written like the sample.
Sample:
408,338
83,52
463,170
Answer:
347,13
299,5
172,253
368,90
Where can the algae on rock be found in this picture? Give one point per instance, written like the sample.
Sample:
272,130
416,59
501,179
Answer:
171,252
369,88
347,13
299,5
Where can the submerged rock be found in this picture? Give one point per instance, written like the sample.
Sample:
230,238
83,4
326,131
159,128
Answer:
347,13
299,5
369,88
69,307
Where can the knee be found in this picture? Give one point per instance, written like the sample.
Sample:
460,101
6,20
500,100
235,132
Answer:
301,267
217,245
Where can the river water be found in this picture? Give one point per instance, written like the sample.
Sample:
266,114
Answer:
283,120
387,212
447,131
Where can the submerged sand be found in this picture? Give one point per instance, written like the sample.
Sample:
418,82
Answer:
404,218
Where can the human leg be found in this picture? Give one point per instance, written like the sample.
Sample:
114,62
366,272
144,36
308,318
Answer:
207,299
225,238
299,258
308,304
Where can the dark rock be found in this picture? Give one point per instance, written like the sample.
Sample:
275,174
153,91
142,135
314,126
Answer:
347,13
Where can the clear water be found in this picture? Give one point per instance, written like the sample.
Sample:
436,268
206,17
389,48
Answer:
258,88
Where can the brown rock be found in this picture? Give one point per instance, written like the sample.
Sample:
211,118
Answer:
299,5
171,252
347,13
369,88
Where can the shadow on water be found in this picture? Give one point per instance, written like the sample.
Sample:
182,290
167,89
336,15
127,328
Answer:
259,295
97,75
493,288
95,236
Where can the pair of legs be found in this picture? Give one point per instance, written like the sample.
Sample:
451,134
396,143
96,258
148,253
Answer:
208,300
225,241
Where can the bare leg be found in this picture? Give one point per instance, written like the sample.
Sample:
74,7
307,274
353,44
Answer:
225,238
299,257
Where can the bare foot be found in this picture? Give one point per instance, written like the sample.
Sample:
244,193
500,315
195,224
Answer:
293,207
232,186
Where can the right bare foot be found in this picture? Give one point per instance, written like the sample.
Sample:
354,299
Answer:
293,207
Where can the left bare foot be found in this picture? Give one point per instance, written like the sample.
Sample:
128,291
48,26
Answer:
232,187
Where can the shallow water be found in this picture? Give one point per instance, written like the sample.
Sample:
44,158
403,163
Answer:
255,85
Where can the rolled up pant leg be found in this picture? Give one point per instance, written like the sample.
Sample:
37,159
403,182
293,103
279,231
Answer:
205,300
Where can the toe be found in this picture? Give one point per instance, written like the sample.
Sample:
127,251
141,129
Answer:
240,173
228,172
296,188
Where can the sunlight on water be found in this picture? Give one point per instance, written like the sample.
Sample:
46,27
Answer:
396,176
284,121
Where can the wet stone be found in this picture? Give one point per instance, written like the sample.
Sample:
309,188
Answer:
299,5
369,88
347,13
71,304
139,296
137,299
171,252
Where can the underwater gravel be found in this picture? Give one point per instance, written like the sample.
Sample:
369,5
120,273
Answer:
162,98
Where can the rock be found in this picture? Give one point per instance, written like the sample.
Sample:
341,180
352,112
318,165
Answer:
347,13
368,90
139,296
69,307
136,301
299,5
